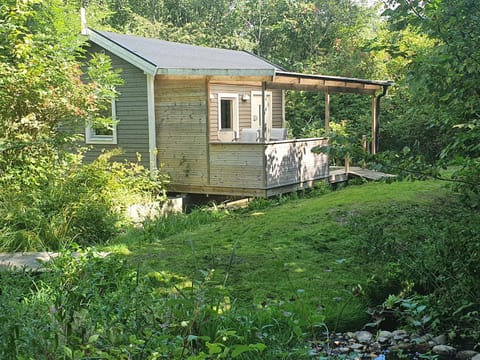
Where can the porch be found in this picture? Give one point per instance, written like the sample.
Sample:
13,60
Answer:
265,169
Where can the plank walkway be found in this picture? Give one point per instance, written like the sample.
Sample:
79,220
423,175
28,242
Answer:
338,174
31,260
369,174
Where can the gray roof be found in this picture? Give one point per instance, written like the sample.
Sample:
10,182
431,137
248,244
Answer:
171,55
159,57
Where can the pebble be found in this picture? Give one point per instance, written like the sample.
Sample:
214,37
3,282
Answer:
466,355
385,334
444,350
365,345
364,336
440,340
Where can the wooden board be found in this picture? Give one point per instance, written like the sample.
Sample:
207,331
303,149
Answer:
181,124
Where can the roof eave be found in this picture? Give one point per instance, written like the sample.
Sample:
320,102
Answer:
268,73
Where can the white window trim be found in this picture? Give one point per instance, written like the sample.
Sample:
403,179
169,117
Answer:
236,119
92,138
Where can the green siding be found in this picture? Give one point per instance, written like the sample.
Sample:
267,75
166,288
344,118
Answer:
132,113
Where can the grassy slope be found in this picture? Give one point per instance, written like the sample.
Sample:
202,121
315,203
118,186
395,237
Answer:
270,254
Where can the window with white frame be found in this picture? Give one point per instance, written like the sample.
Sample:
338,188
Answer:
103,134
227,112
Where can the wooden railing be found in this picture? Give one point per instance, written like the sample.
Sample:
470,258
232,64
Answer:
266,165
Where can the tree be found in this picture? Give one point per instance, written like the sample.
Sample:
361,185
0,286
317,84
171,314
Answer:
41,88
444,80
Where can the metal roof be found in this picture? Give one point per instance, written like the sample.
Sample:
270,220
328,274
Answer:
299,81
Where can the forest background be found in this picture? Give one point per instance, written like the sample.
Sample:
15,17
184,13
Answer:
50,200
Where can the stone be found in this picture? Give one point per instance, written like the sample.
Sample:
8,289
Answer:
385,334
364,336
399,333
440,340
476,357
444,350
402,347
466,354
376,347
382,340
356,347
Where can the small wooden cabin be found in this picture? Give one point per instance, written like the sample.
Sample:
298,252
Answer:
213,119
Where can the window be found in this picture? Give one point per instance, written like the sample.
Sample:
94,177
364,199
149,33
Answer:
227,112
103,134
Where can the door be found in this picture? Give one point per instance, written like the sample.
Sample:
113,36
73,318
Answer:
256,121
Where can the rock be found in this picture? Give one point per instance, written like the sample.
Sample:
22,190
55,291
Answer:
476,357
344,350
421,348
440,340
376,347
466,355
385,334
364,336
402,347
382,340
444,350
356,347
399,333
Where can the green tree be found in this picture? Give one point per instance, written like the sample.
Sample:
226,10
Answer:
444,80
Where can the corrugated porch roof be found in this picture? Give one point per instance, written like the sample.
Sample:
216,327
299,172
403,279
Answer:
333,84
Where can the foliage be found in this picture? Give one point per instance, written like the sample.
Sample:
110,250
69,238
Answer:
443,79
426,253
47,199
87,306
80,204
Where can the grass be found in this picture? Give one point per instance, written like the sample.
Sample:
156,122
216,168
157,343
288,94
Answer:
299,250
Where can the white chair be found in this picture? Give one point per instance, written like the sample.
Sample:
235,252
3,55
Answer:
278,134
249,135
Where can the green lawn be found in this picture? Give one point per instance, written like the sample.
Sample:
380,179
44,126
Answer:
294,251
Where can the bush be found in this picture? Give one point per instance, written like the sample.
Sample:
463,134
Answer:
74,203
430,250
92,307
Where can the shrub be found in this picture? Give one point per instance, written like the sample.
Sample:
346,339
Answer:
106,308
427,250
76,203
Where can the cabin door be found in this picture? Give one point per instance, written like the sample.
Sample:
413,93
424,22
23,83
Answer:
256,121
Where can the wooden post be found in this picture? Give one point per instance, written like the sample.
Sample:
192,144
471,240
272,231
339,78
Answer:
374,125
264,112
152,133
327,110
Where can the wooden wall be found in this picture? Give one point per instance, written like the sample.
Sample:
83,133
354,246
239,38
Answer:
245,111
181,124
131,111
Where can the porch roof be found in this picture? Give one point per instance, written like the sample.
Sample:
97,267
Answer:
333,84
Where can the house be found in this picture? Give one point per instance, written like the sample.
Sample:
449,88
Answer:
214,119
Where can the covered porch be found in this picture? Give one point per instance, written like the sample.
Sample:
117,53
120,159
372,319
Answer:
257,158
